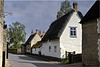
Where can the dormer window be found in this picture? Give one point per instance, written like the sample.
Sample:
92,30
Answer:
73,32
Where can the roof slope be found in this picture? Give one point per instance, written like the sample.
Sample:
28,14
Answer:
30,38
57,25
92,13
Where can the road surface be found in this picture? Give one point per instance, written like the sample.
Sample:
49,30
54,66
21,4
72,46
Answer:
24,61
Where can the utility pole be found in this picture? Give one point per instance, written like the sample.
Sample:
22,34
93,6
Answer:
1,30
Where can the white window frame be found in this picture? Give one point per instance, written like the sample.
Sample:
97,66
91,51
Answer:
73,32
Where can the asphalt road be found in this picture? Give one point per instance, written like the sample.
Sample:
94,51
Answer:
24,61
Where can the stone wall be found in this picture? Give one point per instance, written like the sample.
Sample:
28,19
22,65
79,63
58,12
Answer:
5,41
89,44
1,30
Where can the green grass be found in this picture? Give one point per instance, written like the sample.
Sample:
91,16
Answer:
65,61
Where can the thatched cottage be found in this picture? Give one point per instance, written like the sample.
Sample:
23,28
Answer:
64,35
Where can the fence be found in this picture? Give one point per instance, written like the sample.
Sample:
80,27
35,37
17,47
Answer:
75,58
12,51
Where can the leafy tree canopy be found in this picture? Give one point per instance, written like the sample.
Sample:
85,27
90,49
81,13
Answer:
16,34
65,8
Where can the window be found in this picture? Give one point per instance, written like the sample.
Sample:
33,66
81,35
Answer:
55,48
49,48
72,31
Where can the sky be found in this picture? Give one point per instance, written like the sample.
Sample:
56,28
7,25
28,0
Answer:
38,14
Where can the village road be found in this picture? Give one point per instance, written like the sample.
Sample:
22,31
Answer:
24,61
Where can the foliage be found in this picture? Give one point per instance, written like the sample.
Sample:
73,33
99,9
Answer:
18,45
65,61
16,34
65,8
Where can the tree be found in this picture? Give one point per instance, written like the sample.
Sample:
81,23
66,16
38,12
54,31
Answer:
16,34
65,8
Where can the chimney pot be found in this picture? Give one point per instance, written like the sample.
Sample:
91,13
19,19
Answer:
75,6
39,33
32,32
58,16
43,33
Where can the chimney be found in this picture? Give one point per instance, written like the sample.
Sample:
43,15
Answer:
39,33
75,6
32,32
58,16
43,33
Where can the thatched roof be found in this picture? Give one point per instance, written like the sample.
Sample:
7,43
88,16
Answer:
30,38
92,13
57,25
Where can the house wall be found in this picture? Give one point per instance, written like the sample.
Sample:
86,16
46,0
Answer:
35,39
90,43
98,29
1,30
45,48
36,50
71,44
5,43
28,48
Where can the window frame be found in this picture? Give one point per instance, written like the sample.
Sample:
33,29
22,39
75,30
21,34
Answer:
49,48
74,32
55,48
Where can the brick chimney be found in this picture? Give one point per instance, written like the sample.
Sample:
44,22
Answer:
43,33
39,33
32,32
58,16
75,6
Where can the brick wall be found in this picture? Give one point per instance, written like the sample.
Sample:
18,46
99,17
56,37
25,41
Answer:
89,45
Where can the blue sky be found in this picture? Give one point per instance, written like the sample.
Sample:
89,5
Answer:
38,14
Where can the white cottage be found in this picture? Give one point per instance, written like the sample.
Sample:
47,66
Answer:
36,48
32,40
64,35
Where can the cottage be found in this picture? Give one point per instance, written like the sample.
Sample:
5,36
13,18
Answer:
23,48
64,35
91,36
33,39
36,48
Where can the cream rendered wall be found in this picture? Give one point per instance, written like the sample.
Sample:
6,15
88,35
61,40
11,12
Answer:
52,43
1,30
71,44
35,39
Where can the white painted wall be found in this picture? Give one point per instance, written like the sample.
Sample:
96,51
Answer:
65,43
36,51
52,53
71,44
35,39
